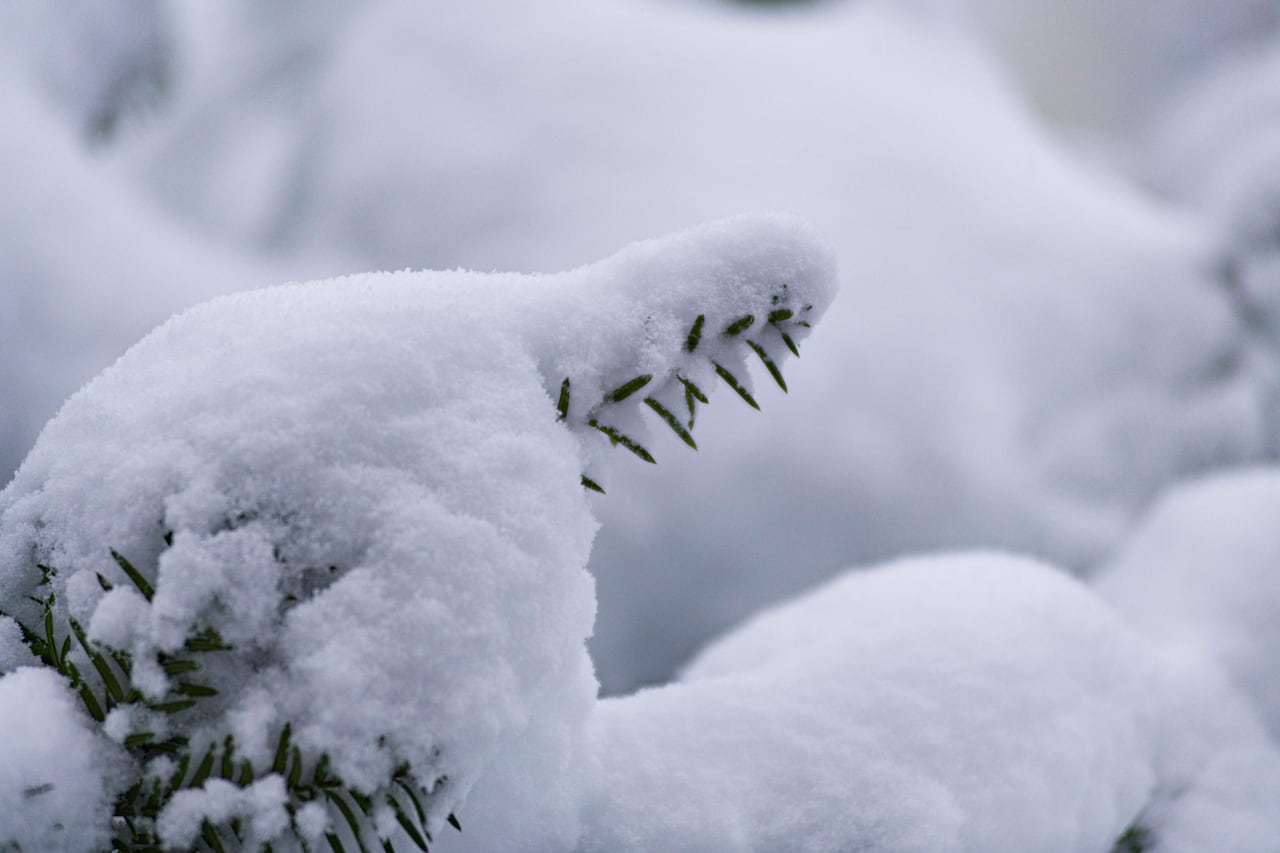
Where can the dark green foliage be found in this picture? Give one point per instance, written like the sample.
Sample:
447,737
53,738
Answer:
769,365
562,406
1135,839
732,382
625,390
109,685
134,575
695,333
778,318
617,438
671,421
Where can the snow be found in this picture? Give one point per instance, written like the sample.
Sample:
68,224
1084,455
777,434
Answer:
963,702
392,535
218,801
1201,575
1026,352
1068,353
54,789
363,485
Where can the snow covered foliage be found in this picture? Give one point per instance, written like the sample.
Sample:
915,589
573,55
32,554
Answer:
307,547
320,549
1025,353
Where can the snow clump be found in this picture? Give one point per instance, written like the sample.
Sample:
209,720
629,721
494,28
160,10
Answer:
953,703
346,518
53,770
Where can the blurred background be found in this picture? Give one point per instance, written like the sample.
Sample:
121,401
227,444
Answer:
1058,223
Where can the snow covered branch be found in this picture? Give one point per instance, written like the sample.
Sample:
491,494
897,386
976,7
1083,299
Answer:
308,555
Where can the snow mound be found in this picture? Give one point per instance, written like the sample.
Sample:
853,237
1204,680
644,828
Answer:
54,793
1201,575
350,510
974,702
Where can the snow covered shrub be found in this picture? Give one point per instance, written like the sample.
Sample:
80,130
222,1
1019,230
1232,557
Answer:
962,702
310,556
1025,352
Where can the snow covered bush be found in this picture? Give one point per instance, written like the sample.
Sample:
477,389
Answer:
310,556
1025,352
972,702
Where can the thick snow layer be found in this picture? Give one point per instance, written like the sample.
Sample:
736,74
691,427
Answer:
954,703
362,485
1201,575
54,772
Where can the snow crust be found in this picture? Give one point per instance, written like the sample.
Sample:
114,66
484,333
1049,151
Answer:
363,487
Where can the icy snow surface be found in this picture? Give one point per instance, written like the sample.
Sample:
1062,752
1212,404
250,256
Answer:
362,485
